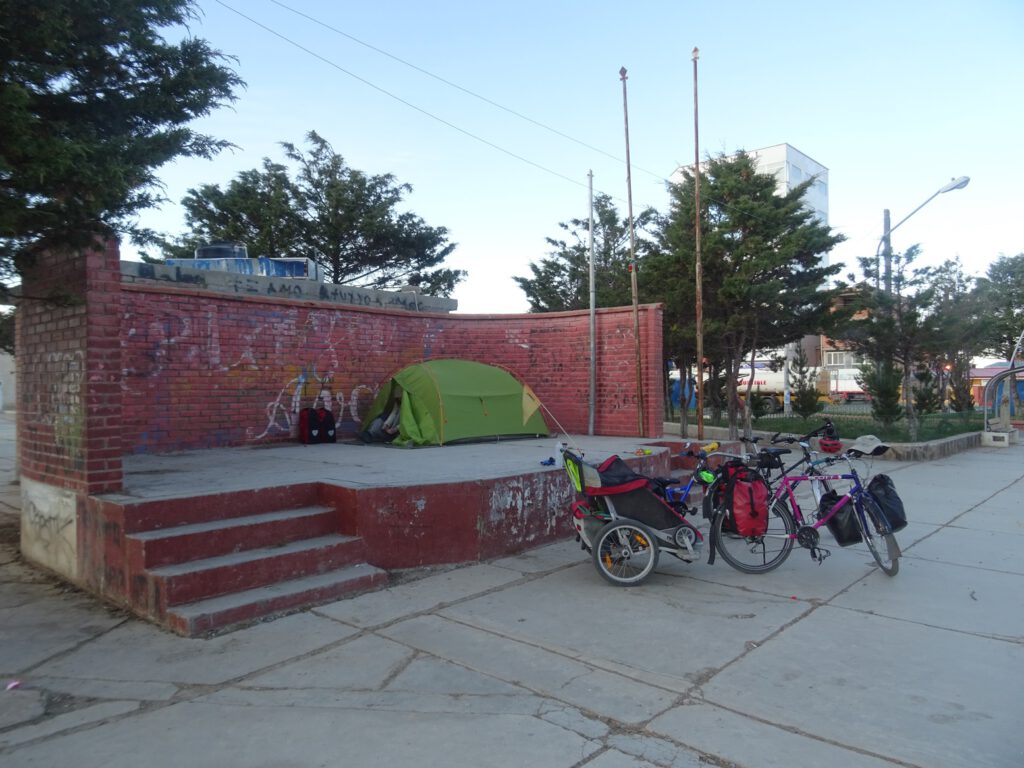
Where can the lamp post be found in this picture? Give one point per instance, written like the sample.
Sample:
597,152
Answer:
885,245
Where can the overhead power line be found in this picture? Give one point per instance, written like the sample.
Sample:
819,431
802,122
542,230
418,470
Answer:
458,87
399,99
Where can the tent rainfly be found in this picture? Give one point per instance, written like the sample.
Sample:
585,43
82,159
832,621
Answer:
449,400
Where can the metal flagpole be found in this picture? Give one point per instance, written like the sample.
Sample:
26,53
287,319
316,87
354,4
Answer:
699,268
632,266
593,309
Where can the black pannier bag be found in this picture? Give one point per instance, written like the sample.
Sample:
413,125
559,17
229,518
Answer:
842,524
884,491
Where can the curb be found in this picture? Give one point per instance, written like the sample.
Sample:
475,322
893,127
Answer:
924,451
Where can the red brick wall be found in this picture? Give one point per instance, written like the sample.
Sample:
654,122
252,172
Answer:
69,370
204,370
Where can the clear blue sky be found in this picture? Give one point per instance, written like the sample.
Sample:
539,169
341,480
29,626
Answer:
894,98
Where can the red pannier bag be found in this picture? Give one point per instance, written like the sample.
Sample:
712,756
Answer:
747,501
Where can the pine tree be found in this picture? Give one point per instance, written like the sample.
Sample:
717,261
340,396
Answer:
804,390
93,100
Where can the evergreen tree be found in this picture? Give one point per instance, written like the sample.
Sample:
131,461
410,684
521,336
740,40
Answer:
961,398
882,381
94,100
804,385
764,284
346,220
561,281
927,398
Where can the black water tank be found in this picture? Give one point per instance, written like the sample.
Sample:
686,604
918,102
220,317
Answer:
222,250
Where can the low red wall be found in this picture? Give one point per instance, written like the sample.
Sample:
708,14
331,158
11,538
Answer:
204,370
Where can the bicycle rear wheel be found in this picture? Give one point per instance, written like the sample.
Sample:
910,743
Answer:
878,535
625,553
757,554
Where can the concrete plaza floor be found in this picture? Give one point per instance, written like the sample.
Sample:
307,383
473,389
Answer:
534,660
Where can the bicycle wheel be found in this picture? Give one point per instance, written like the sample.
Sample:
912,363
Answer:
758,554
625,553
877,534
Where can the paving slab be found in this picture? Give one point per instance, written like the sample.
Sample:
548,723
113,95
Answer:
549,557
19,706
975,600
549,674
207,735
124,690
364,663
980,548
659,751
1002,515
388,605
907,691
95,713
411,702
140,651
667,634
31,632
717,731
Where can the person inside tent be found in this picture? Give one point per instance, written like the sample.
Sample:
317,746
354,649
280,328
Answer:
384,429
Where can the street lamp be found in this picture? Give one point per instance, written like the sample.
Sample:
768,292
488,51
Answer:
886,241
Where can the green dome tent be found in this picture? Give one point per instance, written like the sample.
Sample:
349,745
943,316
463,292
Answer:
449,400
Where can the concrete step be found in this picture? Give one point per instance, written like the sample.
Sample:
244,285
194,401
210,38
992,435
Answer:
167,513
228,611
199,541
200,579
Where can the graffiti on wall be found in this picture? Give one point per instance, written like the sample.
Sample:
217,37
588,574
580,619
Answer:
48,526
174,341
308,389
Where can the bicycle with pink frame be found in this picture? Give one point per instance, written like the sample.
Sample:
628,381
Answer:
853,517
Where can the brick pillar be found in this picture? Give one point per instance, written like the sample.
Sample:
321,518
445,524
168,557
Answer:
69,370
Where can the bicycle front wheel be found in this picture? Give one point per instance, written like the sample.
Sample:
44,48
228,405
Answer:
625,553
756,554
878,535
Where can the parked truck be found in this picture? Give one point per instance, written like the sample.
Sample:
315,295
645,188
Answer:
843,386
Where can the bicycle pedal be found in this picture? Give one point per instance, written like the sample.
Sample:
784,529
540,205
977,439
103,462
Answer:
819,554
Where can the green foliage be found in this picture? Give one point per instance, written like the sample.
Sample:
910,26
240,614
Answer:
763,281
927,398
803,385
561,281
346,220
1002,294
961,397
94,100
882,381
932,426
759,406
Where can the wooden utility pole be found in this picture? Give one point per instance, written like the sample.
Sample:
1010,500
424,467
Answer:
698,267
632,268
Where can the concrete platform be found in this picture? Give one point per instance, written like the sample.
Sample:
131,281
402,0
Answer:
349,465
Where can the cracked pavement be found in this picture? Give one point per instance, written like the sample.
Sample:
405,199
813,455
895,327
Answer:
534,660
